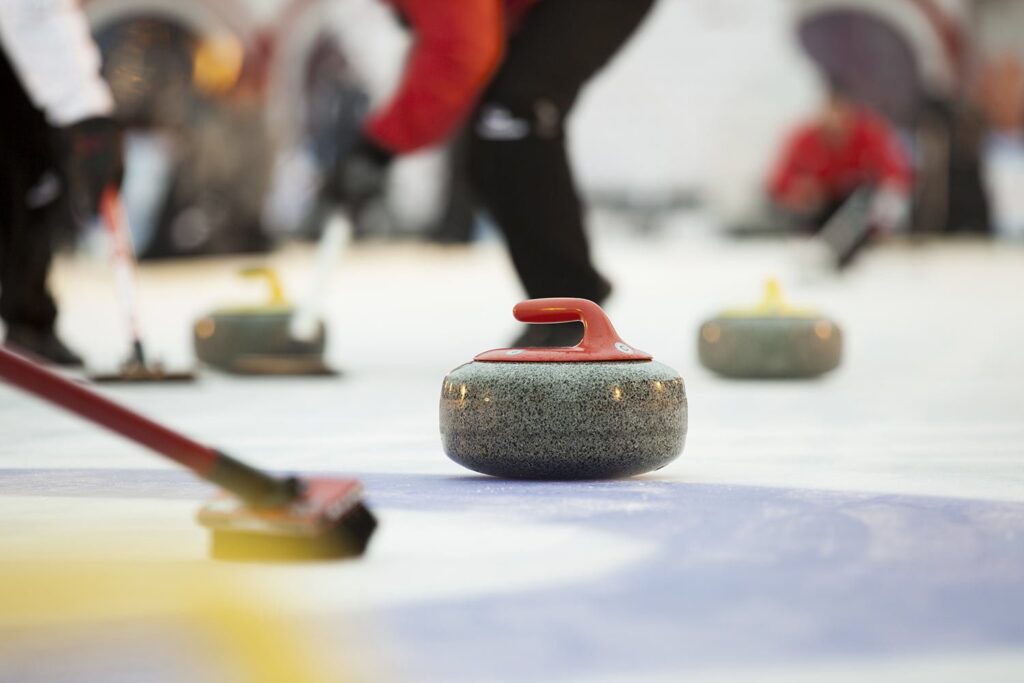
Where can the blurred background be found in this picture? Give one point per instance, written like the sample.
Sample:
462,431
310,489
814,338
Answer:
234,107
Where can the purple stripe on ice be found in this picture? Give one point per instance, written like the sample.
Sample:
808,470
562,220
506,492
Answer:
742,575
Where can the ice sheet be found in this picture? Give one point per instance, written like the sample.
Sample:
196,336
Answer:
871,521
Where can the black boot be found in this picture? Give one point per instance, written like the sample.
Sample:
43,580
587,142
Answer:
43,343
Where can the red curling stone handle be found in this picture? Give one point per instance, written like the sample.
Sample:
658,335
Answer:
600,343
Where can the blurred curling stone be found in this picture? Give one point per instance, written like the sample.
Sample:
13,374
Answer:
598,410
276,339
770,341
258,340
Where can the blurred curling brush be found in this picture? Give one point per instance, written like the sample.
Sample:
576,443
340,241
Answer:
136,368
264,518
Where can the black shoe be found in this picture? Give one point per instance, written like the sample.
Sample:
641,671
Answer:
42,343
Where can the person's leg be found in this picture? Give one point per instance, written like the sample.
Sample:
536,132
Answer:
26,250
29,195
26,153
8,217
518,157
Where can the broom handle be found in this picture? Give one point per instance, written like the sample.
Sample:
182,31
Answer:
248,483
305,321
116,221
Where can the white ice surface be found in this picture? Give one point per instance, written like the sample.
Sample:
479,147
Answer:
931,370
928,401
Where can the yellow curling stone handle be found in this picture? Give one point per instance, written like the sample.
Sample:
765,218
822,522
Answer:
269,275
773,304
206,326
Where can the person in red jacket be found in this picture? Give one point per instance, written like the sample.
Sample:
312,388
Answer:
846,148
510,71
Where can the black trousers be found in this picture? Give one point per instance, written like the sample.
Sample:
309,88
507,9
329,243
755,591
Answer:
518,161
29,194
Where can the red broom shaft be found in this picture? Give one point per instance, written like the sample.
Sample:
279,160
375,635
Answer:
78,399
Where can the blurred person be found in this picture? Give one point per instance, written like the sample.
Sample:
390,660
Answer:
950,196
846,148
1000,93
910,61
513,69
55,133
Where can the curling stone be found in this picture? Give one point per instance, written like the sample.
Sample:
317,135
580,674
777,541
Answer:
258,340
770,341
598,410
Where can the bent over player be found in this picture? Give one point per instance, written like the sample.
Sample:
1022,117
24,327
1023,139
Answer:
513,69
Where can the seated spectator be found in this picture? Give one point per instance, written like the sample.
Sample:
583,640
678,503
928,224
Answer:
845,148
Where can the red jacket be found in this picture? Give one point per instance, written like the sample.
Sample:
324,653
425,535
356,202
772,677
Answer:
869,153
458,47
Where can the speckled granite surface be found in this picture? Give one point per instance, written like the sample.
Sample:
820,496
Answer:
563,420
770,347
226,340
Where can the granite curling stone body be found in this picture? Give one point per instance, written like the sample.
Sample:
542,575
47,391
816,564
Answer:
258,340
770,341
598,410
